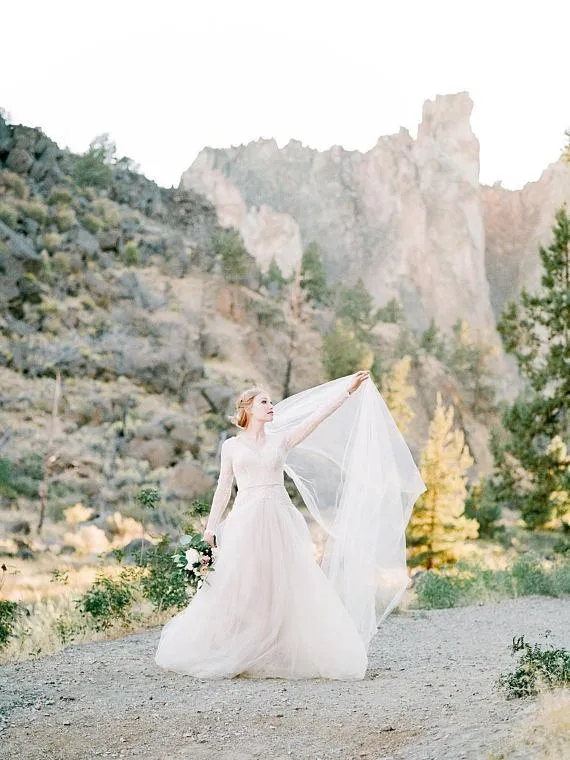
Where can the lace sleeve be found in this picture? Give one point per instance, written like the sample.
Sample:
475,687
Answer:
302,431
223,489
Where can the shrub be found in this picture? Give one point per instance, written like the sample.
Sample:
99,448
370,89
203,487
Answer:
537,669
92,169
64,218
15,183
61,262
163,584
60,196
8,615
92,223
108,600
469,584
107,212
131,254
35,210
51,241
9,215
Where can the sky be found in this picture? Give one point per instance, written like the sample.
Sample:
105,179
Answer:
168,78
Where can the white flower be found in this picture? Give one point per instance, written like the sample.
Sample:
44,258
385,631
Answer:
215,552
192,555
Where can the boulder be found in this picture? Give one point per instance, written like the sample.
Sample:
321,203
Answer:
187,480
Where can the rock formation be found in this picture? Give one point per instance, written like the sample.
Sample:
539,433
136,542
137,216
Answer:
408,216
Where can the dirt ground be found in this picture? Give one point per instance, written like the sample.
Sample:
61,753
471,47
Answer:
429,694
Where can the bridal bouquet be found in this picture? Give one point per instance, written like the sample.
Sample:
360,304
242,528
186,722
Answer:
195,558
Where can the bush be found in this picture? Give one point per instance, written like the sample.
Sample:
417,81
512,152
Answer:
60,196
470,584
108,600
15,183
9,215
131,254
8,616
61,262
35,210
92,223
51,241
92,169
64,218
537,669
8,613
107,212
163,584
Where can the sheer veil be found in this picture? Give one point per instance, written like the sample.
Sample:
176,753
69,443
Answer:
359,481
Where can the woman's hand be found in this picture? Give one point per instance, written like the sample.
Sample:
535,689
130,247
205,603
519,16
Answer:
359,378
209,538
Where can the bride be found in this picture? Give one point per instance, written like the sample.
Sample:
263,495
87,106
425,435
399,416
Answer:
268,609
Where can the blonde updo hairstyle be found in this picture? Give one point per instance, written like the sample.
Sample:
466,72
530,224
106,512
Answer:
242,413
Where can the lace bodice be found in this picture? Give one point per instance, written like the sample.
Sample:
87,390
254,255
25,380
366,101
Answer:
259,465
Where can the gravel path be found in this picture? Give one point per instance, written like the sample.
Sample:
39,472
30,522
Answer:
429,693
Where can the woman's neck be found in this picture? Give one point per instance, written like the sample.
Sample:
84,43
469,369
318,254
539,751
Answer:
255,429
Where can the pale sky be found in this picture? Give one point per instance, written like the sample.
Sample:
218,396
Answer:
167,78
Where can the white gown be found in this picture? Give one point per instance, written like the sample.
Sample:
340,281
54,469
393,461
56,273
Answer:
267,609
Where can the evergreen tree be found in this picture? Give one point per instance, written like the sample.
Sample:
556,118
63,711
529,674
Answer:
354,307
313,275
235,260
274,280
532,466
343,353
438,524
469,361
392,312
433,342
397,391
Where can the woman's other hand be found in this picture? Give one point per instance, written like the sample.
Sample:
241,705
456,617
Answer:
359,378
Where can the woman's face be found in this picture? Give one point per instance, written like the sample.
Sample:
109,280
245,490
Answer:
262,408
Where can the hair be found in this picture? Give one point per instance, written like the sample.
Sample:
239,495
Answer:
243,406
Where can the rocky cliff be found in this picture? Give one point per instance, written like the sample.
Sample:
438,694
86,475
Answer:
409,216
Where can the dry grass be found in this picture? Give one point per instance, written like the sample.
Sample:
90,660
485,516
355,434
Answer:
543,732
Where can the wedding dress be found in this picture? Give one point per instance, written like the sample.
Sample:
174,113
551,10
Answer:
268,609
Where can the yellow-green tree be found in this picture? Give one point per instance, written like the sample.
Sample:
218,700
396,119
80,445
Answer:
438,525
397,391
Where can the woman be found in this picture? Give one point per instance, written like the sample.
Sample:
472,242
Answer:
268,609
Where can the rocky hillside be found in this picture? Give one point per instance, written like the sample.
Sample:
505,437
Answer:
125,290
409,216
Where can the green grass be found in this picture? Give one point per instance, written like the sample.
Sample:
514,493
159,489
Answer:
471,584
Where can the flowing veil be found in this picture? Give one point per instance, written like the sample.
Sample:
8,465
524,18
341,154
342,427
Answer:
359,481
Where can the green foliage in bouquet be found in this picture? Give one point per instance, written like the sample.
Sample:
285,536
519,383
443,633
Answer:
537,669
195,558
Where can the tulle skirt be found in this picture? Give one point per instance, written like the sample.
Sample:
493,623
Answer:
267,610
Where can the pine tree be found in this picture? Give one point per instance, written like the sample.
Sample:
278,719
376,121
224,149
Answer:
397,391
433,342
469,361
354,307
343,353
438,524
532,466
274,280
313,275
